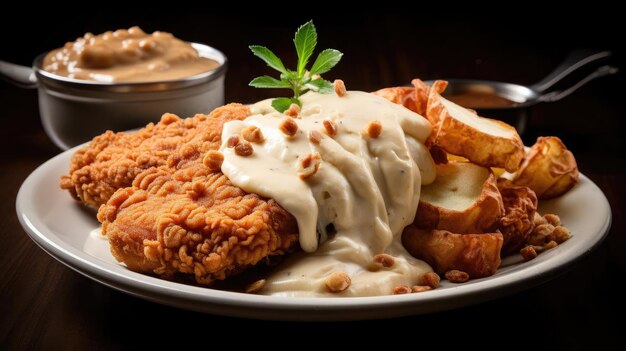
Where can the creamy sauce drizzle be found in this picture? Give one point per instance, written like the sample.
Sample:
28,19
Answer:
366,188
97,233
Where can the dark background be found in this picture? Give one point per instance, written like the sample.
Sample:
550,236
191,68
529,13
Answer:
46,305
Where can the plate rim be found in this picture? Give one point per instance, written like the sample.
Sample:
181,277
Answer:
235,304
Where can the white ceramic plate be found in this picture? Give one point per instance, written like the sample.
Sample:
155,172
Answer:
68,232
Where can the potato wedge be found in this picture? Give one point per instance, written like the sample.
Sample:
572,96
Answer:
476,254
415,99
464,198
421,96
404,96
520,206
459,131
549,168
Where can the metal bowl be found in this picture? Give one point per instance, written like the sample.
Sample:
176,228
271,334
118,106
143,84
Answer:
74,111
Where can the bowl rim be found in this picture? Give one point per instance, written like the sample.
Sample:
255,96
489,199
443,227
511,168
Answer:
207,51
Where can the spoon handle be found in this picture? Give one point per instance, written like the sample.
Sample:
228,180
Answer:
559,94
574,61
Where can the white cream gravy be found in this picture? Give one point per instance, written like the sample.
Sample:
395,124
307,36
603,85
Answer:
367,188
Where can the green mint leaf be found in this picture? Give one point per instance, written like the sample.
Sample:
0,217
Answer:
321,86
299,81
283,103
326,60
268,82
269,57
305,41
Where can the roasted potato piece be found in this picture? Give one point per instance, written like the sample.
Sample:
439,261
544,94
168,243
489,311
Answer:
415,99
520,206
476,254
461,132
549,168
439,156
421,96
404,96
464,198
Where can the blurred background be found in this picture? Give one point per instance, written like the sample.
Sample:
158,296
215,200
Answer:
381,50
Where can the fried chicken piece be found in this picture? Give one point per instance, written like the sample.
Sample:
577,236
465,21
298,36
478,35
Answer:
113,160
185,218
520,206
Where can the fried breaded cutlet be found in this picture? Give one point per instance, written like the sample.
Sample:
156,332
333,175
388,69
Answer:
166,212
113,160
184,218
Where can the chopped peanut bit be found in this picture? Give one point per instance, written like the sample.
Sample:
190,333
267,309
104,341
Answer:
340,87
309,165
551,245
545,247
374,129
552,219
213,160
255,287
315,137
331,127
540,233
456,276
560,234
539,219
232,141
289,127
293,111
430,279
244,148
337,282
547,229
528,253
384,260
401,289
538,248
253,134
420,288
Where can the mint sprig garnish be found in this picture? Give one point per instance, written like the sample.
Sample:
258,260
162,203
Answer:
301,80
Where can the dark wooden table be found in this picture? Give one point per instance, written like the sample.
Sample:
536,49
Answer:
45,305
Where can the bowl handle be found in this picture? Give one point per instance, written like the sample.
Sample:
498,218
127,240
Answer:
21,76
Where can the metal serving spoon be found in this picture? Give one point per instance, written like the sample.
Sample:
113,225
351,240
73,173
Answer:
510,102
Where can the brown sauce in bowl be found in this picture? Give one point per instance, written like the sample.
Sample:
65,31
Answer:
127,56
480,100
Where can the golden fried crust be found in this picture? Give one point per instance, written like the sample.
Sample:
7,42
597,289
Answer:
476,254
193,221
520,206
112,160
